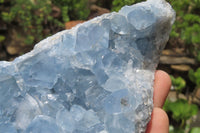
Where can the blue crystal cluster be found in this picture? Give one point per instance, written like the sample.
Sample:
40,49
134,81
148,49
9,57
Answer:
95,78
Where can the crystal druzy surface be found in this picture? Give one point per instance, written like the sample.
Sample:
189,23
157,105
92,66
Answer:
95,78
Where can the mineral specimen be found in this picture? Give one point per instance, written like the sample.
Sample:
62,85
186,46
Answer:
94,78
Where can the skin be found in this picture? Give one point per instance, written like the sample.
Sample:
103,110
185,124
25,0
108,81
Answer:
159,120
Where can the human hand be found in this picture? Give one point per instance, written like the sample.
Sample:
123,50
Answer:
159,122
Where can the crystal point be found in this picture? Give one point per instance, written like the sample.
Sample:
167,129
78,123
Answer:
95,78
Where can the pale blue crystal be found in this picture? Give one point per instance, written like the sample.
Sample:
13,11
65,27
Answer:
95,78
42,124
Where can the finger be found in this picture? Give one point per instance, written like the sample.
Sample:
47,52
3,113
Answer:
162,86
159,122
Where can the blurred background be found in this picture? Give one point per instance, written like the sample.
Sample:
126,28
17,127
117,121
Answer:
23,23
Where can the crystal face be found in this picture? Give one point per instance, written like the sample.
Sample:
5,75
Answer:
95,78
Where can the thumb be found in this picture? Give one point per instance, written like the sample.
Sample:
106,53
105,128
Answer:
159,122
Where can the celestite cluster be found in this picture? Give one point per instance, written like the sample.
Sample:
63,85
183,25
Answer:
95,78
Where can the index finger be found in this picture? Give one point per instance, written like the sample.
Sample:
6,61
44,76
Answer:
162,86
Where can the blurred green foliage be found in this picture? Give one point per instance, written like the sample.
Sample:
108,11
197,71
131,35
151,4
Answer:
2,38
178,83
195,130
180,111
34,16
118,4
73,9
30,15
187,25
195,77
